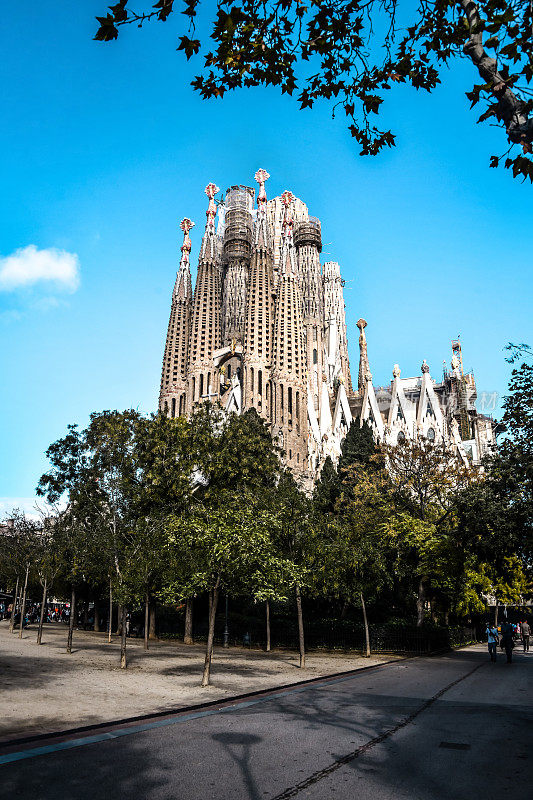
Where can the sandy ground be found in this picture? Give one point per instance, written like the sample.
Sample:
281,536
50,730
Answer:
43,689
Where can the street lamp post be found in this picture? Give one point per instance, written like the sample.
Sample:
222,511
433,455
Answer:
225,640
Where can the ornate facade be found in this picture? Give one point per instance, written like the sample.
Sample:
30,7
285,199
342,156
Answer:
266,329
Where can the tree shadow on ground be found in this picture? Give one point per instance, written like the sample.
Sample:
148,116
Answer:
119,769
256,752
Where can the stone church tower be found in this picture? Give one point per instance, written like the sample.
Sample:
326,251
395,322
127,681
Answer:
265,328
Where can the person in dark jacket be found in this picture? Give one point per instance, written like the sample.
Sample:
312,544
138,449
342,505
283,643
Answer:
508,640
525,632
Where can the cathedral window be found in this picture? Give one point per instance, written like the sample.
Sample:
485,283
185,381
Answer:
399,414
401,437
431,435
201,385
289,401
166,409
260,382
173,406
229,371
315,356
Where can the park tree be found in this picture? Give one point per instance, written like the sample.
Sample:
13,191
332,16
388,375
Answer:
20,542
224,540
359,447
295,531
351,558
47,561
165,457
230,547
512,467
327,489
96,469
355,52
495,514
426,478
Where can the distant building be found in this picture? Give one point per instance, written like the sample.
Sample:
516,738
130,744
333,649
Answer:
265,328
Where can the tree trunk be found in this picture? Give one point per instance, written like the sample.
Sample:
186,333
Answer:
344,611
123,663
119,620
496,615
41,618
146,619
71,620
96,617
14,608
23,608
211,634
85,618
420,602
301,640
267,609
152,629
187,638
367,632
110,622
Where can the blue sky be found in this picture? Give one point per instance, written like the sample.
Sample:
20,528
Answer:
103,150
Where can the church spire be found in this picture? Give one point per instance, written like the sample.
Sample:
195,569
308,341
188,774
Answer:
205,332
209,241
288,261
289,368
364,366
261,226
259,311
172,397
182,287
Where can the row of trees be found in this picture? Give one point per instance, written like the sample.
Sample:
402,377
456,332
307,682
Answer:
173,509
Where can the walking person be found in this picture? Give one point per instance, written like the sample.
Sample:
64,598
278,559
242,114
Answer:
492,640
525,632
508,641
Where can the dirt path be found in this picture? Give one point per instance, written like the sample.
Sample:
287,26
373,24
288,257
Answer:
43,689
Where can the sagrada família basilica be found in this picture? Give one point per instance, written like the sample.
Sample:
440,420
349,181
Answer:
265,328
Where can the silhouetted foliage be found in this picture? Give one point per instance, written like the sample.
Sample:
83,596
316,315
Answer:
354,52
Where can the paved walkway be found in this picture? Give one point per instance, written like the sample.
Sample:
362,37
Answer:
453,726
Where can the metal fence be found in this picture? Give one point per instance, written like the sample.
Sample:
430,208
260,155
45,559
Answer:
340,636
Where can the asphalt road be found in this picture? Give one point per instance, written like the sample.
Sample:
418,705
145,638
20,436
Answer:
452,726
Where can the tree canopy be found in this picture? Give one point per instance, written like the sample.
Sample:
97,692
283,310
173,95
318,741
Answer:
354,52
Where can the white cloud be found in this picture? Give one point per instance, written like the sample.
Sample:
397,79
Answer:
29,265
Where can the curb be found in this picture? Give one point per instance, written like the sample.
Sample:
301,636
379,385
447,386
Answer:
171,712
